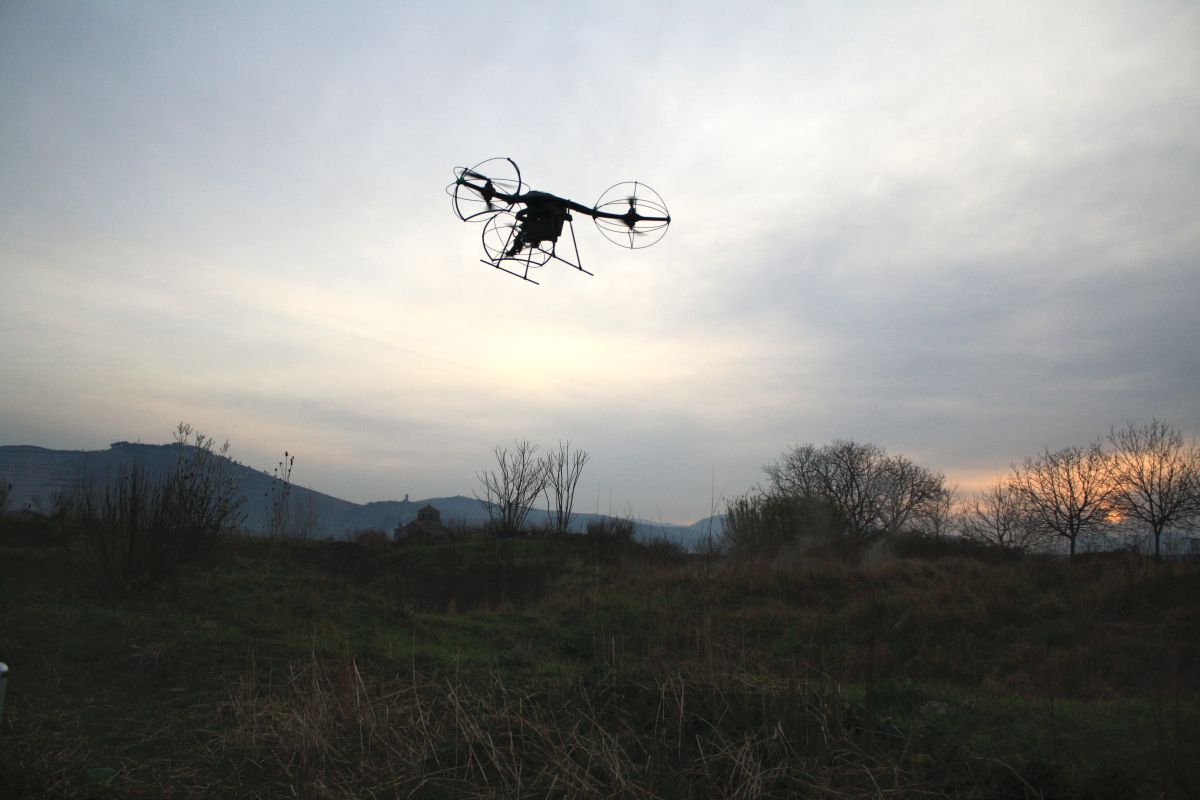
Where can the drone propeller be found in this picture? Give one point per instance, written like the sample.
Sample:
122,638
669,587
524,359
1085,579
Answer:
634,215
483,190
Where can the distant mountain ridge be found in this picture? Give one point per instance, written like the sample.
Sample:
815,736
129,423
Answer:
39,476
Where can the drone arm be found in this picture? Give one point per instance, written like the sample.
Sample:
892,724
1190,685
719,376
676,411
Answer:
598,214
582,209
483,191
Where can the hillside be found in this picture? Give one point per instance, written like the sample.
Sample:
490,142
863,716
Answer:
39,476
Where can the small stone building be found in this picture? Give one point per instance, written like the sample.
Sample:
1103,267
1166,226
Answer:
426,527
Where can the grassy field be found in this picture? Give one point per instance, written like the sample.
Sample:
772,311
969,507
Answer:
591,667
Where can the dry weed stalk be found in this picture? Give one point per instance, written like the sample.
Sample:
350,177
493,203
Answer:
330,731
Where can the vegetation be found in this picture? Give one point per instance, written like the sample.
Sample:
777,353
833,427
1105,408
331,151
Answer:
1144,483
596,666
278,502
994,517
835,645
520,477
1066,494
1156,477
141,526
768,524
510,490
563,469
873,491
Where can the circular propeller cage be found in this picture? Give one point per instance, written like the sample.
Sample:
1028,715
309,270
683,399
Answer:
642,215
500,238
476,190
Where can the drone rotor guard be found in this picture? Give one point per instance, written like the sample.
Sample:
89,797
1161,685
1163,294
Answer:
632,215
485,189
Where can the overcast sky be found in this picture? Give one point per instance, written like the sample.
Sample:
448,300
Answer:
963,231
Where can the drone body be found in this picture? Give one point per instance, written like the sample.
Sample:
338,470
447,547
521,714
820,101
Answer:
629,214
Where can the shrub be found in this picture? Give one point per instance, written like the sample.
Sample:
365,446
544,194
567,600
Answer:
931,548
611,528
608,540
763,524
371,537
663,551
142,526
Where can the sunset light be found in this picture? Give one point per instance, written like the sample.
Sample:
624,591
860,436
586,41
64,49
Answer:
601,400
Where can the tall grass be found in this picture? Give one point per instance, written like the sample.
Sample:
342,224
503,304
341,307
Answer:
329,731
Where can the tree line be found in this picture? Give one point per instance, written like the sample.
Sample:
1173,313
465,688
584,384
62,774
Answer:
1143,478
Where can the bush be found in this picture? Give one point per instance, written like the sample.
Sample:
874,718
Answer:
611,528
141,526
371,537
764,524
932,548
663,552
609,540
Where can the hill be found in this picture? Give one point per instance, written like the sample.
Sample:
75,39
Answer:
39,476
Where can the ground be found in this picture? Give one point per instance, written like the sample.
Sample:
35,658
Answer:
594,667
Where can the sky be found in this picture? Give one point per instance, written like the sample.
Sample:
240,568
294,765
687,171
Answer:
962,231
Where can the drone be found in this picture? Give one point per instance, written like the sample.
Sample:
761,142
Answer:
522,227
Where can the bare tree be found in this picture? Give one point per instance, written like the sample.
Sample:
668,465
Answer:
842,473
1066,493
904,491
509,491
938,516
995,516
1156,477
564,467
870,489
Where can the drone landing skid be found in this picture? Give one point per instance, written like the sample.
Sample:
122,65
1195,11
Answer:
534,257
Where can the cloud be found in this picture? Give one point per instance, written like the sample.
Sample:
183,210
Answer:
963,231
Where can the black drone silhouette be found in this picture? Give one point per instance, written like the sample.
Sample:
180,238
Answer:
528,238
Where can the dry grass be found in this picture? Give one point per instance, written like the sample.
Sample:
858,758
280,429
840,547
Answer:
556,668
327,731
